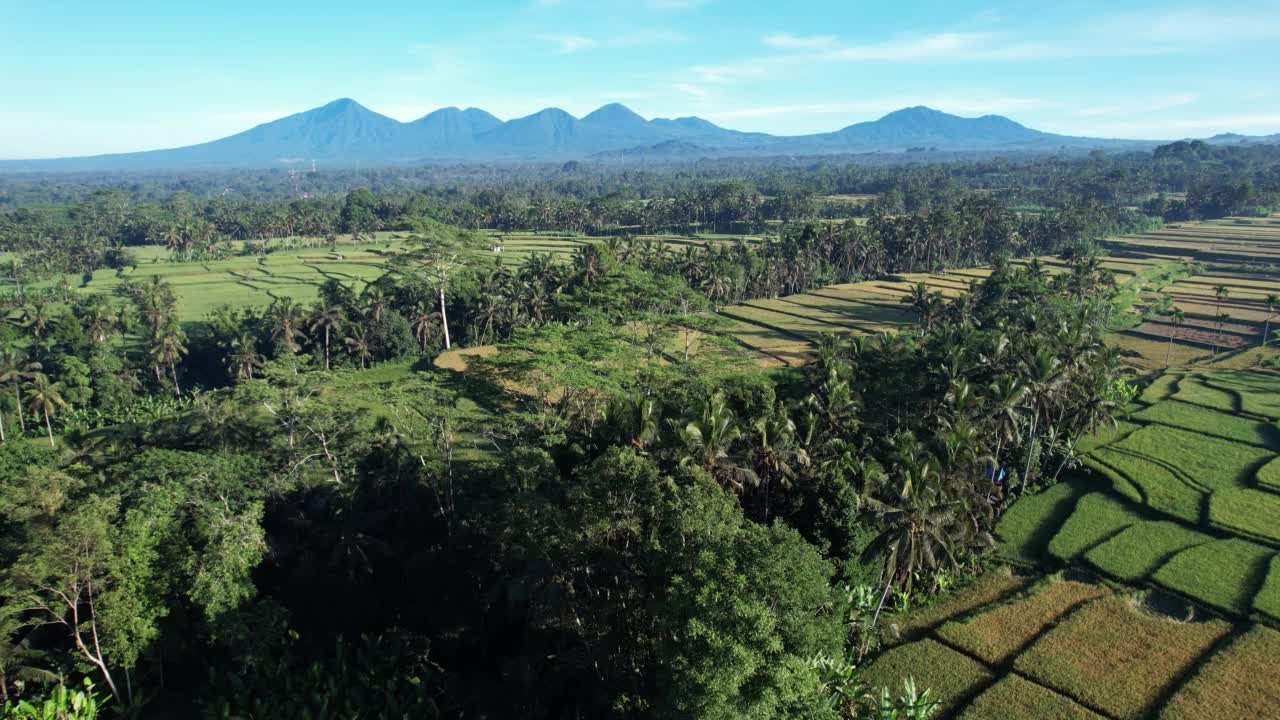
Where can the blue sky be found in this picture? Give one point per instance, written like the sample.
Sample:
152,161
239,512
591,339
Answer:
89,77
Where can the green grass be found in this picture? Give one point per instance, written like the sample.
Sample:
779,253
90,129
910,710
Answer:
1222,574
1028,525
998,634
1247,511
1267,600
949,675
1211,422
1117,657
1162,388
1192,389
1096,518
1238,682
1205,461
1269,475
988,588
1106,436
1141,549
1015,698
1149,483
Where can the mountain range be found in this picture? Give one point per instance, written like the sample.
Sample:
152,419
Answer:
344,132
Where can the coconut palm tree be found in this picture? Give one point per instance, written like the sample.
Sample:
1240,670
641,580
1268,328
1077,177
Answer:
1220,293
99,319
329,319
776,454
1176,318
244,358
36,316
287,319
707,441
1273,302
426,323
16,368
358,345
44,398
167,349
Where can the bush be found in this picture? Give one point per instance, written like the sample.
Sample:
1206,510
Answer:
1116,657
998,634
949,675
1141,549
1096,518
60,704
1014,698
1238,682
1220,574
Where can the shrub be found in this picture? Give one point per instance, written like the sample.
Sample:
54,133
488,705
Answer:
1247,511
1211,422
1095,518
1221,574
1141,549
1116,657
948,674
998,634
1238,682
988,588
1014,698
1025,529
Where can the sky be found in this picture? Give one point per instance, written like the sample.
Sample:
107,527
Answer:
93,77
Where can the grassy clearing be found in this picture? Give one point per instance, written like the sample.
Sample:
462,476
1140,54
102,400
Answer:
1211,422
998,634
1222,574
1149,483
948,674
1192,389
1238,682
1141,549
1248,512
1162,388
1096,518
1206,461
1027,527
988,588
1116,656
1015,698
1267,600
1106,436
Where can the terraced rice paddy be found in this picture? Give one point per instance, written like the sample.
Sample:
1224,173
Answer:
1070,649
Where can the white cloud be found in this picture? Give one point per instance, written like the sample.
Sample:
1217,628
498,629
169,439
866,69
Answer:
691,89
791,42
1140,105
568,43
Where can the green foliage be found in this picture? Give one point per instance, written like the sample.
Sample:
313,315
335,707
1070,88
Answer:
61,703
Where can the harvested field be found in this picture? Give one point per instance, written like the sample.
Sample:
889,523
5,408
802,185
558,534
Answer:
997,635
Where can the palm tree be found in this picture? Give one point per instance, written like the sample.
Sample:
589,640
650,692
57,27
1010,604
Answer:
15,368
358,345
776,454
167,348
245,358
286,324
426,323
36,316
375,302
329,319
707,441
44,398
1273,302
1176,319
99,319
1220,293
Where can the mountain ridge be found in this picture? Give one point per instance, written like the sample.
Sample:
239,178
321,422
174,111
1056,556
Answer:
345,132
